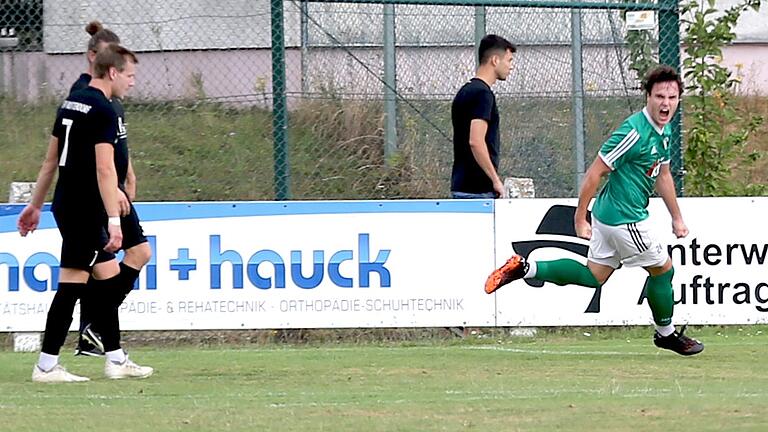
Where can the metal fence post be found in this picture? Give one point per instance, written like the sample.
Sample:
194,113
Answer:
279,104
390,83
669,54
578,94
480,29
304,7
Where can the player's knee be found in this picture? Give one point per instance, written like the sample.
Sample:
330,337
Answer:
662,269
138,256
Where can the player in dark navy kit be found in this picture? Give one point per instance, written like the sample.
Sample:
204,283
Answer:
87,209
475,119
137,250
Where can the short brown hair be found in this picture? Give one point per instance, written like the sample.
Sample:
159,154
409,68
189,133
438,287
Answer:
112,56
493,44
99,34
662,73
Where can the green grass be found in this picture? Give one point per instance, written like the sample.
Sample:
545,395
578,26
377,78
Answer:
611,380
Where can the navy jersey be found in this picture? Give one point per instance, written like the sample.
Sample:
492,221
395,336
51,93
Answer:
85,118
121,150
475,100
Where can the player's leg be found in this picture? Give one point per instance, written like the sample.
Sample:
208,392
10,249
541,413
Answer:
70,287
79,251
570,272
137,253
89,338
107,280
602,261
641,248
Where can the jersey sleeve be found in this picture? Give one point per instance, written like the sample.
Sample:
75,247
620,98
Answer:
482,105
56,129
103,126
616,150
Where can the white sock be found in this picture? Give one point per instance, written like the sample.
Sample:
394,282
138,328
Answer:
46,362
117,356
531,273
665,330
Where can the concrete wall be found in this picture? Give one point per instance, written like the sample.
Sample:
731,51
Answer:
244,76
220,49
165,25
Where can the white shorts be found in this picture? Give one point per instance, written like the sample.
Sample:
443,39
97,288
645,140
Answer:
633,245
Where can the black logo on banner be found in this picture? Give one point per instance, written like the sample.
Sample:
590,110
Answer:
558,221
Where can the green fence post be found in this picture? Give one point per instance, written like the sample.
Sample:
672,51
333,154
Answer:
279,104
669,54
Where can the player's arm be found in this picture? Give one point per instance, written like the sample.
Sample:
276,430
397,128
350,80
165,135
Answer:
477,131
106,175
46,174
30,216
665,186
612,155
130,182
592,179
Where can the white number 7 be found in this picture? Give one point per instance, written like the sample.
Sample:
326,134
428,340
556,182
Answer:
68,124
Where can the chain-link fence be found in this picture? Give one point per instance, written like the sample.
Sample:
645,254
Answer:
260,99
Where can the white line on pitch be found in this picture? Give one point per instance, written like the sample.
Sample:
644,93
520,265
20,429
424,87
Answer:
555,352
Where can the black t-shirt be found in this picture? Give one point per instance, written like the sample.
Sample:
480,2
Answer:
85,118
121,150
475,100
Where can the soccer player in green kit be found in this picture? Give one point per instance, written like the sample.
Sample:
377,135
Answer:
636,160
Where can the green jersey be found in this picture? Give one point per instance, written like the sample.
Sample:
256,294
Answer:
635,153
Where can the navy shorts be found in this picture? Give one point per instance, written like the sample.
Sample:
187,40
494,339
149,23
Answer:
133,233
83,237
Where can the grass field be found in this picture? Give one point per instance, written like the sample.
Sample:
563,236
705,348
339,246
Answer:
570,380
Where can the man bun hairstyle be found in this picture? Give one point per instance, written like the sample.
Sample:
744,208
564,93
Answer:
662,73
112,56
492,45
99,35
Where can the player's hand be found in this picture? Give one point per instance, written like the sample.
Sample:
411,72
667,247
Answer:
498,188
679,228
124,203
115,238
583,229
28,221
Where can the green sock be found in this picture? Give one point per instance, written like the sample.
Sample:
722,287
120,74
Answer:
658,290
564,272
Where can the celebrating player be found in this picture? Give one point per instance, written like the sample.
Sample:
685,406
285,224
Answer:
636,160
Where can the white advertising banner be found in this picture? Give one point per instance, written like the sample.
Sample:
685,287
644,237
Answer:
394,264
279,265
720,267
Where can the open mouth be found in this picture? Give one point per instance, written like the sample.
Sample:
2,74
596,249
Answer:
664,113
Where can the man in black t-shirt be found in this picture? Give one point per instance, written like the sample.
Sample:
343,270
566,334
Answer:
87,210
137,250
475,119
135,245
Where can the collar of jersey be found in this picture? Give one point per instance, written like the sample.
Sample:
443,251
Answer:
650,120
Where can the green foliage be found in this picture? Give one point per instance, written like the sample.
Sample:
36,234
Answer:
641,54
716,151
718,134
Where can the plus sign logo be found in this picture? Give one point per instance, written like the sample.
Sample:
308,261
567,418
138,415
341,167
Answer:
184,264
